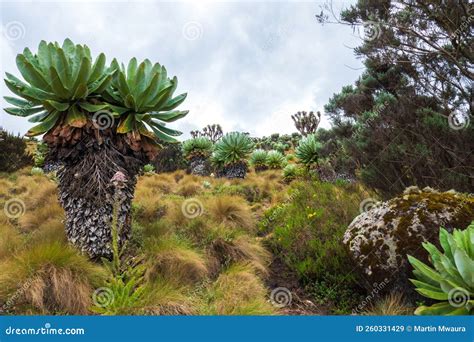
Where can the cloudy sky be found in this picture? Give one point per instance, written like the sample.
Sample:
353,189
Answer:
245,65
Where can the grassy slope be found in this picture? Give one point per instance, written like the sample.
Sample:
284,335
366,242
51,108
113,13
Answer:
215,263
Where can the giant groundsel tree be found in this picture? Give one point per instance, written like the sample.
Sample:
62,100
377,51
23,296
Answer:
99,121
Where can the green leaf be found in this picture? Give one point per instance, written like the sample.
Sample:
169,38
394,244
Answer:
57,85
175,102
83,74
98,68
45,126
443,308
465,266
170,116
17,102
444,241
81,92
126,125
432,294
162,136
30,74
424,269
92,108
59,106
76,118
23,112
38,117
164,129
132,70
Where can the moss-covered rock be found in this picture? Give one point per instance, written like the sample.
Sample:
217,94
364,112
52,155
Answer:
380,239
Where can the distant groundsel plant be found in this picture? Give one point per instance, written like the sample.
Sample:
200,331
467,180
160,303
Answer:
452,279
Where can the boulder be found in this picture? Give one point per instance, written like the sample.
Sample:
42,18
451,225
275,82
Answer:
380,238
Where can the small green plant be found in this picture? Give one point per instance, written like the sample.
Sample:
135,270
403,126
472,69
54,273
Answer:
125,289
148,168
258,160
308,151
231,153
452,279
40,154
275,160
197,147
290,172
36,171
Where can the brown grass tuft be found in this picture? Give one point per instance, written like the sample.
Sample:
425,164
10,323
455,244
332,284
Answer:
392,305
173,260
231,211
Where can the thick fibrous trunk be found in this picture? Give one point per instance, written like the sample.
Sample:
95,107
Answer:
199,166
88,224
237,170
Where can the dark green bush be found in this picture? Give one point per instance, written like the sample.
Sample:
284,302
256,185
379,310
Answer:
307,236
13,153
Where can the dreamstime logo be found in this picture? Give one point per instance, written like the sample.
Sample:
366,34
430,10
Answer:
458,297
102,120
192,208
280,297
366,205
103,297
14,30
192,30
14,208
458,120
370,30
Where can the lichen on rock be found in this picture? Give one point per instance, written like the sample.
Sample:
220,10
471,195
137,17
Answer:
380,238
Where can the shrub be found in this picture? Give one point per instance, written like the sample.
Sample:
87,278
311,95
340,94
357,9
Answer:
290,172
258,160
170,158
308,150
451,281
148,168
307,235
13,152
275,160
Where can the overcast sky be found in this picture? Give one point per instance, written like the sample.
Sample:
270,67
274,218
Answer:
247,66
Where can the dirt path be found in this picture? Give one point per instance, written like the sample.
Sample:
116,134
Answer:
281,276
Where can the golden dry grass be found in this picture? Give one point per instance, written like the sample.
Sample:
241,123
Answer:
232,211
391,305
51,277
238,291
175,261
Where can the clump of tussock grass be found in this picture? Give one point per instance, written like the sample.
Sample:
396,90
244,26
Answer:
238,291
232,211
225,252
189,187
165,298
175,260
54,278
391,305
10,240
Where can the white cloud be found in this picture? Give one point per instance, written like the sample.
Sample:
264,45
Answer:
251,66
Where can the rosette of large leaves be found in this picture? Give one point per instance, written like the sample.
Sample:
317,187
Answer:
61,85
451,281
232,148
308,150
142,96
